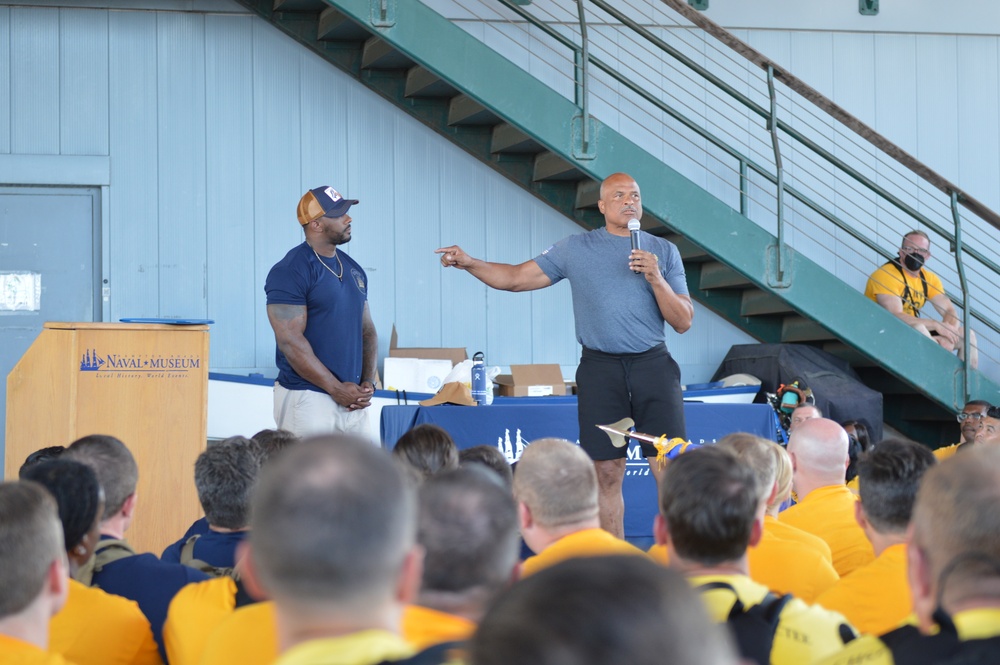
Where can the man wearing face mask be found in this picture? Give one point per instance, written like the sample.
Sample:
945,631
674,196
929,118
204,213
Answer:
903,286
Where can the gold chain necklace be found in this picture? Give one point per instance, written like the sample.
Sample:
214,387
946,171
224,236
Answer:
323,263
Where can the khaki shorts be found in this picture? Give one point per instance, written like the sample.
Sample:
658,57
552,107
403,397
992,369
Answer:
309,413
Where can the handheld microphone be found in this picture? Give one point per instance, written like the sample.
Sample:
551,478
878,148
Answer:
633,231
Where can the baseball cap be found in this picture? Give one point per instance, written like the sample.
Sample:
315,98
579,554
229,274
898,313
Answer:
321,202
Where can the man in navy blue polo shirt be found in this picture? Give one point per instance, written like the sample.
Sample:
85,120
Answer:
317,304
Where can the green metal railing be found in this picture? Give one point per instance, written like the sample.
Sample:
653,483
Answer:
780,128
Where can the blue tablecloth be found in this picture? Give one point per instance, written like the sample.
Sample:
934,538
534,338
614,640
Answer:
510,423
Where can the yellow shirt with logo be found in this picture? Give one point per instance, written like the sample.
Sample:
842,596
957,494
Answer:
584,543
828,512
889,280
805,632
977,624
875,598
193,614
247,636
99,628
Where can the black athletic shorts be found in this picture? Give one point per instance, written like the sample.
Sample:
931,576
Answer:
642,386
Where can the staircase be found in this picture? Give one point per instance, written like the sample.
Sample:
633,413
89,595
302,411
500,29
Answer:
453,83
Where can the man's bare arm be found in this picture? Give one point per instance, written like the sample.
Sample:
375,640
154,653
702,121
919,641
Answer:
527,276
369,357
675,308
289,324
894,305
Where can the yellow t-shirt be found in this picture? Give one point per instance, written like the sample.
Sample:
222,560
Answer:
946,451
193,614
805,633
889,280
362,648
828,512
584,543
874,598
247,636
424,627
789,532
783,566
18,652
99,628
868,649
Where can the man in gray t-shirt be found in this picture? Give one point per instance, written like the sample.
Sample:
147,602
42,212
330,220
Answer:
621,299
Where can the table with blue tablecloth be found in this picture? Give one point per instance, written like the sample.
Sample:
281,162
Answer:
510,423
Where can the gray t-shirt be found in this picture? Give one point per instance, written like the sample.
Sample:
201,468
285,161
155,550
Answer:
614,308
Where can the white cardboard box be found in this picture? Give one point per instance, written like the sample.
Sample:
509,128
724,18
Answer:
420,375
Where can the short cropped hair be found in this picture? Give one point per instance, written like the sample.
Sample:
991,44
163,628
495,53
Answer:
757,454
224,475
601,611
956,522
469,531
333,519
30,540
993,412
916,232
888,479
273,441
709,501
557,481
978,402
489,456
115,467
427,449
76,491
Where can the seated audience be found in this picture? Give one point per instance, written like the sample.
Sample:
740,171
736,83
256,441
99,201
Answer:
555,487
801,414
426,450
710,513
33,573
94,627
224,475
818,449
489,456
333,543
952,567
468,529
270,442
812,572
875,597
903,286
989,427
858,443
600,611
115,566
39,456
968,420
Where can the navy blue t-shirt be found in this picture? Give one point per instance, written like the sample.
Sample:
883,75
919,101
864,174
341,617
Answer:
149,582
199,527
214,548
334,309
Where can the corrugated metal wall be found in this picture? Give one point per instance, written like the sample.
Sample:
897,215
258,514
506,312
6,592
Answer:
215,124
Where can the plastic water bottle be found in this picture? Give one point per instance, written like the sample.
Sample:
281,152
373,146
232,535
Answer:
479,378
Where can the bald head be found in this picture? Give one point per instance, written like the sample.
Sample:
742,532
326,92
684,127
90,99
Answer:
556,480
620,202
818,448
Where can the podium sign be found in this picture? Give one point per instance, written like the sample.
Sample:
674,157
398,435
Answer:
146,384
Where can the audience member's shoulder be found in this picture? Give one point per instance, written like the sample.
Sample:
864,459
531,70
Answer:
867,649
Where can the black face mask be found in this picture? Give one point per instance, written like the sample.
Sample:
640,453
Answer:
913,262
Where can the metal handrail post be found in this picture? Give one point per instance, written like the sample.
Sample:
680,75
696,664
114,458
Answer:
584,74
957,217
772,127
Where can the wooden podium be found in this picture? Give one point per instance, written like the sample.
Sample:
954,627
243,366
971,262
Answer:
146,384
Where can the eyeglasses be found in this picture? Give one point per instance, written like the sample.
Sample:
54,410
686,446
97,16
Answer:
916,250
962,417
